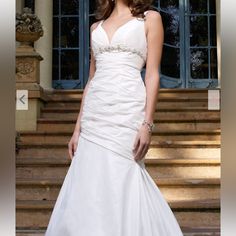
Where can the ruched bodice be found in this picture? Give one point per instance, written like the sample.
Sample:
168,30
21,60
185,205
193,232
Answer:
114,106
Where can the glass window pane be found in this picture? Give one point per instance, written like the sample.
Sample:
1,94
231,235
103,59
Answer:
55,65
199,63
170,64
55,32
55,7
92,20
212,6
214,71
69,64
70,7
213,30
198,6
92,6
198,31
171,27
169,5
156,3
69,32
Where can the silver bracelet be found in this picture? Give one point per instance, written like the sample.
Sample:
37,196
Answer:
149,125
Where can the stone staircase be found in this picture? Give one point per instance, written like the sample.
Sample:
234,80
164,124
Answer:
183,159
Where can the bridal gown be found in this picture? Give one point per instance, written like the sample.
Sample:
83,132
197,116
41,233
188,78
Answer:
105,191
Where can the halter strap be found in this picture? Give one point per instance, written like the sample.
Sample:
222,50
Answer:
145,13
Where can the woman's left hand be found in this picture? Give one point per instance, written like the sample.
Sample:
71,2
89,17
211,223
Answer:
142,142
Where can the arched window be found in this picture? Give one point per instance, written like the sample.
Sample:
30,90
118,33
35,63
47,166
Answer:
189,53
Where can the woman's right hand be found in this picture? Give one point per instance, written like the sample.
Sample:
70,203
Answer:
72,145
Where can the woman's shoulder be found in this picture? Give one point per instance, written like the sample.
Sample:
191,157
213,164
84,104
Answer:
94,25
154,22
152,15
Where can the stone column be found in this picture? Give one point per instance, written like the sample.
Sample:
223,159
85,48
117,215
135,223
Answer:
19,5
44,10
28,30
218,29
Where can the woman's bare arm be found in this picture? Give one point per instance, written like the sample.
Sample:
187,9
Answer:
155,37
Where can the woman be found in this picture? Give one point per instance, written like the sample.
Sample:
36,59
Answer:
107,190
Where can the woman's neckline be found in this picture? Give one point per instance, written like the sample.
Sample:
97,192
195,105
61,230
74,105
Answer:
117,30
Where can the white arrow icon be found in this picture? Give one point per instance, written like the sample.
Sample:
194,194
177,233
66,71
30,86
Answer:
22,99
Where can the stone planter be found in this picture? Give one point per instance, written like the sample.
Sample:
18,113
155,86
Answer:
28,27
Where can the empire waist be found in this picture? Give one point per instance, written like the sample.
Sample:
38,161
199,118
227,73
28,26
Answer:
112,73
115,64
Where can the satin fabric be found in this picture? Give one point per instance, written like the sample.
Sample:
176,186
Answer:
106,192
114,106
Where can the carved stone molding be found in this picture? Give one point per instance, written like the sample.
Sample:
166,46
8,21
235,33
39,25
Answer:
25,67
28,68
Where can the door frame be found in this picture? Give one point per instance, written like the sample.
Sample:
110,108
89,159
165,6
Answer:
189,81
185,80
83,65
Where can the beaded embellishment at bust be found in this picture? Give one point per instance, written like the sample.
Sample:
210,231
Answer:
119,48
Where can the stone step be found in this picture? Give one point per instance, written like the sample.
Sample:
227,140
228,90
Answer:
173,189
157,168
162,138
30,232
184,152
179,91
173,98
68,125
188,231
201,231
176,205
162,151
162,93
154,143
204,213
148,162
166,182
170,115
184,168
156,121
181,135
158,109
160,105
161,98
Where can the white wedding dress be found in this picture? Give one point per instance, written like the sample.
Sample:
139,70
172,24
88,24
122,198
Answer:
106,192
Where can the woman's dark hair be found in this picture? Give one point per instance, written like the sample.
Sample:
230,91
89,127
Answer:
137,7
